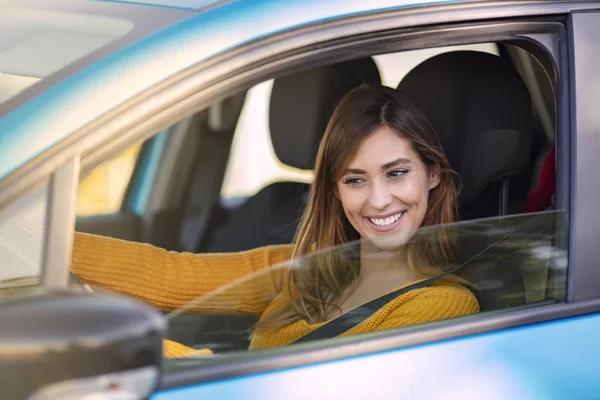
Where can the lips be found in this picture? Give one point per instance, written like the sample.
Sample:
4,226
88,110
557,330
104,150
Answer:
385,223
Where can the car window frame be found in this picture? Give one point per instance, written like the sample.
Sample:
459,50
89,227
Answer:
235,82
582,88
60,225
204,373
279,359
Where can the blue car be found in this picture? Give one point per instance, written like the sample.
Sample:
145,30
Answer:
196,123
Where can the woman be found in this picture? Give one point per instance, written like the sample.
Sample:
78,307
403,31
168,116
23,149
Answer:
380,174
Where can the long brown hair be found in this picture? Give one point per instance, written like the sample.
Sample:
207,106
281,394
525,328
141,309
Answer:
315,290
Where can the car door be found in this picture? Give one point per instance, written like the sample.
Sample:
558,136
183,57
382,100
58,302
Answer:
518,354
331,368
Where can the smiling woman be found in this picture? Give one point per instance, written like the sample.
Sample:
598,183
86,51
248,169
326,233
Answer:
352,198
380,174
394,171
370,195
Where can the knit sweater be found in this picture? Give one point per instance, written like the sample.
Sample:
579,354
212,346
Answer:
204,283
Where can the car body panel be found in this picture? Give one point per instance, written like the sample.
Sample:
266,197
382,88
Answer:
551,360
86,95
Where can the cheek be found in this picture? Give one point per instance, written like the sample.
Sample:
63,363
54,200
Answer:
423,201
414,192
351,201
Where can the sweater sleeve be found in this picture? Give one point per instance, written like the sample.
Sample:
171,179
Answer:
434,303
169,280
173,349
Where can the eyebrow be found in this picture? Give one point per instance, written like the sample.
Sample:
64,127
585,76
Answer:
396,162
385,166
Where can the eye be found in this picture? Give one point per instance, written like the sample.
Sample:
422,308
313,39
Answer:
397,173
352,181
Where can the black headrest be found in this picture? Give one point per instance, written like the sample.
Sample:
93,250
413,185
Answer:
481,109
302,103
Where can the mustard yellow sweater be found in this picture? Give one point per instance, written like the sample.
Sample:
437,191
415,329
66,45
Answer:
169,280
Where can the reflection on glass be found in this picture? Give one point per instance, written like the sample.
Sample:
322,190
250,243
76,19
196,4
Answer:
21,242
30,37
501,263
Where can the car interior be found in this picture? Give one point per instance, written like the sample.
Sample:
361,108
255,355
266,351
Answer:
495,115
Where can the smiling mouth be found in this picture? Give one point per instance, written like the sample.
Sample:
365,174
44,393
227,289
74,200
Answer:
387,221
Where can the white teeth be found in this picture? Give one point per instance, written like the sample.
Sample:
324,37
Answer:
386,221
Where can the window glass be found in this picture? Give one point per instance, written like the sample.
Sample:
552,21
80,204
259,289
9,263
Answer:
253,163
29,39
22,241
101,191
499,264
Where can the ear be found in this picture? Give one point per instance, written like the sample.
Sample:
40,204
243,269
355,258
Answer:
434,177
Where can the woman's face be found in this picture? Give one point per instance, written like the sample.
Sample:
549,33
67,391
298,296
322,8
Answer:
385,188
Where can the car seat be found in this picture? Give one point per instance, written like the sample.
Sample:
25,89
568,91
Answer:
300,107
482,111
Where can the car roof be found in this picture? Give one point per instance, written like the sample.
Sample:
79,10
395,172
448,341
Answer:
181,4
203,4
41,121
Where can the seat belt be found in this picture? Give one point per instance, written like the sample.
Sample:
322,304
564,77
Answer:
354,317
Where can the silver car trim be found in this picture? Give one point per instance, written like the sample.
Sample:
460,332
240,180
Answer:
60,225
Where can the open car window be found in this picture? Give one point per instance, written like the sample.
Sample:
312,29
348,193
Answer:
505,263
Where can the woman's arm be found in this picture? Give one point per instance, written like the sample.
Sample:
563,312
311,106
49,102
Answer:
168,280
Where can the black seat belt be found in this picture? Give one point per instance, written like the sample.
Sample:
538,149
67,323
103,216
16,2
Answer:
354,317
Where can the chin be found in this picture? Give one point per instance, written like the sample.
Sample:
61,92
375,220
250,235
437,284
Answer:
390,242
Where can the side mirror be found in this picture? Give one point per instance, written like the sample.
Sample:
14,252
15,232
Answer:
65,345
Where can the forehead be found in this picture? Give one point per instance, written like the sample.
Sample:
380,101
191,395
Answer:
382,146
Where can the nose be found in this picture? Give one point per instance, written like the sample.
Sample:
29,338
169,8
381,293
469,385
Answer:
380,196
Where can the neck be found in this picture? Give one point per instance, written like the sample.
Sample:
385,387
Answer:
379,264
380,272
